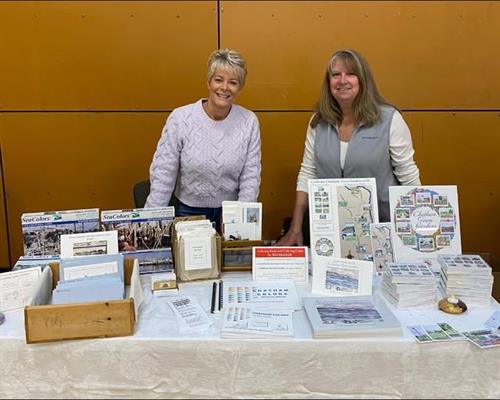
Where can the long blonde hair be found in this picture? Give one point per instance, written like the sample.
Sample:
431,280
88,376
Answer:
367,103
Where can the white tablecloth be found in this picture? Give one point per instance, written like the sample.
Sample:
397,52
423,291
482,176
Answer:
159,361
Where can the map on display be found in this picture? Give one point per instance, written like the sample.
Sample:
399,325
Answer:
425,221
341,211
383,249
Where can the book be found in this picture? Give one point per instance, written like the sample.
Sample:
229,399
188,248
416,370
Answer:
253,323
140,228
409,285
42,230
348,317
341,211
468,277
425,221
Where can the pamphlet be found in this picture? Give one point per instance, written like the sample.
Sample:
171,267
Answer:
189,313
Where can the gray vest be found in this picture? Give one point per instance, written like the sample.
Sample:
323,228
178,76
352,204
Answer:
367,156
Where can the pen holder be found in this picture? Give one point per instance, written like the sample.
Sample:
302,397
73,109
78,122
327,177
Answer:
237,254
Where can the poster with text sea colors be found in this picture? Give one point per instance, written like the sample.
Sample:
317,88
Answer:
425,222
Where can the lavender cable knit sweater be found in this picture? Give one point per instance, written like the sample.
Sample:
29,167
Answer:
206,161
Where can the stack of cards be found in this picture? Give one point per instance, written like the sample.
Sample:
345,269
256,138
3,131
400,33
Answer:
435,333
409,285
467,277
90,278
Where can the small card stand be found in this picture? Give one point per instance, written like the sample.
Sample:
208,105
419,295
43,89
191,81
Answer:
237,254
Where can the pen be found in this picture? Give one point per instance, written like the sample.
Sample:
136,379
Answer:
214,291
221,296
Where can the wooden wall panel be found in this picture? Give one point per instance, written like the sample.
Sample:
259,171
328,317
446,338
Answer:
424,54
4,238
61,161
104,55
451,149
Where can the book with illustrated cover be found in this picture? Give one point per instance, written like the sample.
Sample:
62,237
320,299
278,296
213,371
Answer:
348,317
425,221
140,228
42,230
341,211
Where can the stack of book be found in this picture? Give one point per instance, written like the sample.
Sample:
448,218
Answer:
467,277
350,316
409,285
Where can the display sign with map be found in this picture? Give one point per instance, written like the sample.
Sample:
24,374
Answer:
341,211
425,222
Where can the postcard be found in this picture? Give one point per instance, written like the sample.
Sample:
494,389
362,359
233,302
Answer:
484,338
240,231
342,277
89,244
419,334
275,263
435,332
242,220
16,287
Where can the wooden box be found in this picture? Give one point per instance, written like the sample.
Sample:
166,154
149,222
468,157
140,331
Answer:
237,254
48,323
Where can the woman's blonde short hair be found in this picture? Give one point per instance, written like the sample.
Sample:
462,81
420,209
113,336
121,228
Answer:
227,60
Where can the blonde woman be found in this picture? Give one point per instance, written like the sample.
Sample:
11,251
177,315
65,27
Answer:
209,151
354,133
